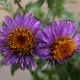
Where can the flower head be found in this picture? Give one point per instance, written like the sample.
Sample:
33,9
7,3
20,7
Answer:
18,40
59,41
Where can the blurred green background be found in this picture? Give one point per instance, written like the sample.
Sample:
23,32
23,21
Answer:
46,11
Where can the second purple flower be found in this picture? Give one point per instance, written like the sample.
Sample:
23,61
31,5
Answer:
59,41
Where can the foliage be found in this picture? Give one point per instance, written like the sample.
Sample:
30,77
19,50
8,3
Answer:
66,71
7,5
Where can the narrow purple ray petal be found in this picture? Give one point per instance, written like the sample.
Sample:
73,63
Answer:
36,27
22,62
9,22
18,21
8,59
76,38
7,52
30,62
27,18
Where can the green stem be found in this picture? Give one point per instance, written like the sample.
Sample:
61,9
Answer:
19,5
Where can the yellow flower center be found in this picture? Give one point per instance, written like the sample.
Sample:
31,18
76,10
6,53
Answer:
21,41
62,47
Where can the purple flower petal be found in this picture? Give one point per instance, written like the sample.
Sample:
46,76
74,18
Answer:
22,62
9,22
8,59
7,52
30,62
44,53
18,21
27,18
76,38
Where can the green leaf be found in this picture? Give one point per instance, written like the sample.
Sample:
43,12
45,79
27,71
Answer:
56,7
48,16
67,15
1,64
3,23
9,7
14,68
32,5
61,71
40,63
73,71
35,75
3,2
39,14
59,8
50,3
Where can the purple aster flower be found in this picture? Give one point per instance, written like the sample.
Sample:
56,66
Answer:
59,41
18,40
